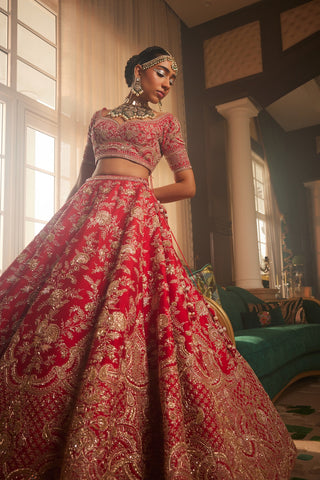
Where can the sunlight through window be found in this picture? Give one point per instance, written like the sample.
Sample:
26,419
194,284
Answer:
2,161
258,180
40,180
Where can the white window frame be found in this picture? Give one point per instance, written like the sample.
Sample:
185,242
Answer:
46,126
260,216
22,111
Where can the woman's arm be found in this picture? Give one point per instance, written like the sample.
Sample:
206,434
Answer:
173,148
184,187
86,170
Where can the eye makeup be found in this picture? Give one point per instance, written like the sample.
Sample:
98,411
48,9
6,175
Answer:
163,72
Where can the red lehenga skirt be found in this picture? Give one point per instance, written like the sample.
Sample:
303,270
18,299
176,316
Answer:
112,365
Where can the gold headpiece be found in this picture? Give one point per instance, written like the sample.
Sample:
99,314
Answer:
163,58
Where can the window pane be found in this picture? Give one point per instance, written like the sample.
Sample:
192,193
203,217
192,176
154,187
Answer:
2,128
31,229
262,252
40,150
3,68
3,30
259,190
1,185
260,206
35,85
259,172
262,231
39,195
36,51
38,18
4,4
2,154
1,242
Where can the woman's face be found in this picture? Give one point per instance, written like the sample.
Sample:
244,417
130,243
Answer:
156,81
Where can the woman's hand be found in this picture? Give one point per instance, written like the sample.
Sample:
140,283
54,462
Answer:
184,187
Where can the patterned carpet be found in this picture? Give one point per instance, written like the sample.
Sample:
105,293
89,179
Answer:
299,407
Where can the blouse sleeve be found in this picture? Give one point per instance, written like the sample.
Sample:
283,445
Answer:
173,146
88,154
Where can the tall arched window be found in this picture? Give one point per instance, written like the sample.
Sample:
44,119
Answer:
268,220
259,195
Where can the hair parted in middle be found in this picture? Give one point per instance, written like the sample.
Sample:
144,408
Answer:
145,56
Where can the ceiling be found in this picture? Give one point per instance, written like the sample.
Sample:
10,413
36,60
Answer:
195,12
299,108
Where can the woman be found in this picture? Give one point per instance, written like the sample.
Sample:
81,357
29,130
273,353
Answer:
112,365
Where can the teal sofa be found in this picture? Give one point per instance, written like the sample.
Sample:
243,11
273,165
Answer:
280,353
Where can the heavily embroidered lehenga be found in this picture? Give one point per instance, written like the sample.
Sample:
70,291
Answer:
112,365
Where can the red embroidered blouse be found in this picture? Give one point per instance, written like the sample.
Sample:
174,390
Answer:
140,141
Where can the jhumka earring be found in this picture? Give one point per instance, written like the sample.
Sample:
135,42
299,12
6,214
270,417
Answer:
136,88
160,105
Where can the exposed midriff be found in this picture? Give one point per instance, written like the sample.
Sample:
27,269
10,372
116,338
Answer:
120,166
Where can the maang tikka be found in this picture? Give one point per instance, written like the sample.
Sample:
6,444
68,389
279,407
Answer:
136,88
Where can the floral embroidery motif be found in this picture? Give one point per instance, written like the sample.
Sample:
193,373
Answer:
113,367
140,141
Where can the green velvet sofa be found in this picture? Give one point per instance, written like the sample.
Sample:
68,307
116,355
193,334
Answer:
279,353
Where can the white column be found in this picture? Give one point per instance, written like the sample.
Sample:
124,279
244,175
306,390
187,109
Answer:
245,243
315,202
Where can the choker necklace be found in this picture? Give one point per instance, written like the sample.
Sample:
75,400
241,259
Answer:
134,109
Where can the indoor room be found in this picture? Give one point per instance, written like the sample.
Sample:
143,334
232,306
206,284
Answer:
225,219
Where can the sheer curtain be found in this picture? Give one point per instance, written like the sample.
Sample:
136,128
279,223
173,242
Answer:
272,212
97,37
273,230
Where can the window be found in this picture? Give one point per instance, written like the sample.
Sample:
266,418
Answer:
4,42
29,162
259,195
40,180
2,164
268,218
36,52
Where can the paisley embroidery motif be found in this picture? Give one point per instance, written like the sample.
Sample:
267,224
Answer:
113,367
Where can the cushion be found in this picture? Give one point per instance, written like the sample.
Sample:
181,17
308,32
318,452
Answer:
312,310
233,305
292,310
206,283
247,296
263,318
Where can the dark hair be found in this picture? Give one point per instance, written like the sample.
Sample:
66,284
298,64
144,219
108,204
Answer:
148,54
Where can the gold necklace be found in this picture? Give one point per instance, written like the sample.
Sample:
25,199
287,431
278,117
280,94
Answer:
129,110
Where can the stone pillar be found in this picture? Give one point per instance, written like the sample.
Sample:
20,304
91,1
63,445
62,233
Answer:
315,202
245,242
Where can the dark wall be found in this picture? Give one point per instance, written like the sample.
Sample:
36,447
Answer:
292,155
293,161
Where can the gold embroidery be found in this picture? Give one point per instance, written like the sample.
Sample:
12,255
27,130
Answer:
111,355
